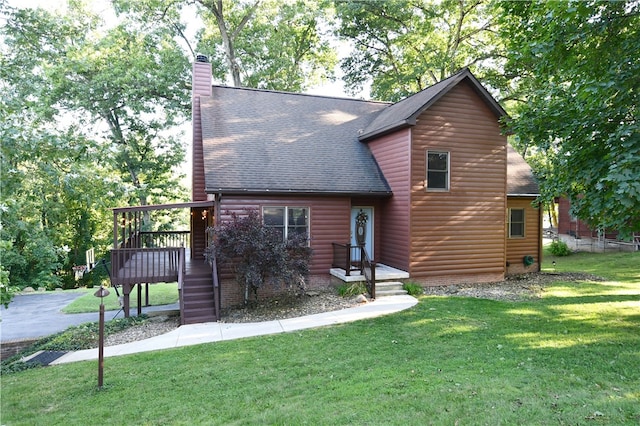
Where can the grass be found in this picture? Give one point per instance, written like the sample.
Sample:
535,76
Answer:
159,294
571,357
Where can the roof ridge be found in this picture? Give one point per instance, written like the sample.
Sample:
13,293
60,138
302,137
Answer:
284,92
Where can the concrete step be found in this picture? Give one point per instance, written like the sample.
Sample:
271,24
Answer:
389,288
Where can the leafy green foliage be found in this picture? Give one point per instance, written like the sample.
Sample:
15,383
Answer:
352,289
413,289
7,291
269,44
405,46
559,248
578,67
87,116
258,255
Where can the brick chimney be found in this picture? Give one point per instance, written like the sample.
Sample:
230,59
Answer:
201,86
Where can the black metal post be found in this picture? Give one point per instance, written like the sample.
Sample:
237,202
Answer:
101,347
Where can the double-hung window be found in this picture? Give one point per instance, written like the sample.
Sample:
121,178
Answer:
287,221
516,223
437,171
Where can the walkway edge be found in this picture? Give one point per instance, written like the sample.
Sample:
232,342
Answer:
196,334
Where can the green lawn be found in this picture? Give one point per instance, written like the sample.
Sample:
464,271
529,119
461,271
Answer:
572,357
159,294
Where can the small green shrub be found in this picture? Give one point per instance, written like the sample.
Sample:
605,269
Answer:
413,289
351,289
559,248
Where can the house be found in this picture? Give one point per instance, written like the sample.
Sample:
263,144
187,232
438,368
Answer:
428,184
582,236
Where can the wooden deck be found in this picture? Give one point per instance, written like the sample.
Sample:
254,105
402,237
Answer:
146,265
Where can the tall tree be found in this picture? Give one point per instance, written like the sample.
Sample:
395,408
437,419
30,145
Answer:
268,44
404,46
579,66
87,115
123,84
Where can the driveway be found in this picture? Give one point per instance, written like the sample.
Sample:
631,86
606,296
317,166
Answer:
36,315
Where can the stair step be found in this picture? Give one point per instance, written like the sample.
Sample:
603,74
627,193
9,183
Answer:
197,298
200,318
382,293
389,288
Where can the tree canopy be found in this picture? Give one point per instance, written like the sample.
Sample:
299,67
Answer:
579,67
268,44
88,112
404,46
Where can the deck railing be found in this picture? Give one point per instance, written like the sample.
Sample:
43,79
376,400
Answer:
146,265
164,239
347,257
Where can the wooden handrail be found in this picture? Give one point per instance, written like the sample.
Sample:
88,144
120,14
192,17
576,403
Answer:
369,272
216,287
181,267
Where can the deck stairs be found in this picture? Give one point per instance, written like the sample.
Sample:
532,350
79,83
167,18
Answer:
388,279
197,303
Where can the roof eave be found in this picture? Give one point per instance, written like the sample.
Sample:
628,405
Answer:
386,130
523,195
260,191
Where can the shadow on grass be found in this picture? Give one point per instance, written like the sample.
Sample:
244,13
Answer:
554,321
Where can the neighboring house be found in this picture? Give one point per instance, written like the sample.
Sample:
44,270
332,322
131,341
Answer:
569,224
582,236
445,198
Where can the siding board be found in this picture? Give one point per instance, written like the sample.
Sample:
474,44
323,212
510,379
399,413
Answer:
393,154
517,248
329,221
461,232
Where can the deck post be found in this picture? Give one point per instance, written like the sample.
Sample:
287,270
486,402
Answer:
126,290
139,299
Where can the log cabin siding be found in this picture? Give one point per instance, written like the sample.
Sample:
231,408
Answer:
517,248
393,154
328,218
459,234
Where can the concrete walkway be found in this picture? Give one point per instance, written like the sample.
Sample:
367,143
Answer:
216,331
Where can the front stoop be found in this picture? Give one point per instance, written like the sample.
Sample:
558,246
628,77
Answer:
383,273
387,283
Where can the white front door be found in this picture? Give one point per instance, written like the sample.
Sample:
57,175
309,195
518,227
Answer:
362,223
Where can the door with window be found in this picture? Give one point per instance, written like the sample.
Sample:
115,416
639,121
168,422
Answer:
362,230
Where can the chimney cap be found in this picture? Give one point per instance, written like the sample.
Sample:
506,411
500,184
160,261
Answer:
202,58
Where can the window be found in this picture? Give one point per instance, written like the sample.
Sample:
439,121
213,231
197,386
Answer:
516,223
437,171
288,221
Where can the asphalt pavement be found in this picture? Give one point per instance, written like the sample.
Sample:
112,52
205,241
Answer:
34,315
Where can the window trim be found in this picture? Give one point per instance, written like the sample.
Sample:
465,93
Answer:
447,187
286,219
524,222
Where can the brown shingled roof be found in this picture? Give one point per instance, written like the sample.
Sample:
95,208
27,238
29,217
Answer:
260,140
520,179
279,142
